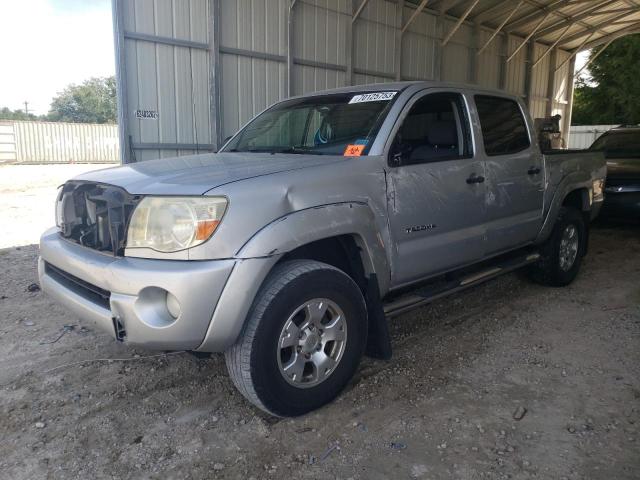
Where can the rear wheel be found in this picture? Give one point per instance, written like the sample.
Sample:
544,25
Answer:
561,254
303,340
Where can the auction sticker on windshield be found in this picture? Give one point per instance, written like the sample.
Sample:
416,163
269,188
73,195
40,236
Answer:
373,97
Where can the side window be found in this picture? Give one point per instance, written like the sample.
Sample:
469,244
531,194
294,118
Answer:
435,129
503,127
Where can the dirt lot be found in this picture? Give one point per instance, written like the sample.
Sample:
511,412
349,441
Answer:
27,195
443,407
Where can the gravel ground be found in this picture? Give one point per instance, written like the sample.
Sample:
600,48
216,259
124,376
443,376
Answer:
508,380
27,197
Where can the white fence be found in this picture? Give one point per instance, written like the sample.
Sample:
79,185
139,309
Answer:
57,142
582,136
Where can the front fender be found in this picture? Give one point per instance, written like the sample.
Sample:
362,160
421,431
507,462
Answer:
324,221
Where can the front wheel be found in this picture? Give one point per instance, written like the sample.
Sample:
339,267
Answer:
561,255
303,340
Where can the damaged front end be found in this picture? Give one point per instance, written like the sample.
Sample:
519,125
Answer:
95,215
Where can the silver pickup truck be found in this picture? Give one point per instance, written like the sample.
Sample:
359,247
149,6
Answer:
320,219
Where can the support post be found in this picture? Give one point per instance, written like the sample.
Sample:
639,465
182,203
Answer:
436,66
551,80
398,46
504,51
566,121
292,4
215,99
350,44
121,81
474,60
528,84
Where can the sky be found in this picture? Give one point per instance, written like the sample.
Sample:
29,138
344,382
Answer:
49,44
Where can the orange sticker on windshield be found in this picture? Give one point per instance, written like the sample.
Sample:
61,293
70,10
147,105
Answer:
353,150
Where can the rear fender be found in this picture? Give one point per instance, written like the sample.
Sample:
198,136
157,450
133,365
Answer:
571,182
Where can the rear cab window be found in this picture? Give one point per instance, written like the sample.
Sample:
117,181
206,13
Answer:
504,130
334,124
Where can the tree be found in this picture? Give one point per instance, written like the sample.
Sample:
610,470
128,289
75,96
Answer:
8,114
611,95
94,101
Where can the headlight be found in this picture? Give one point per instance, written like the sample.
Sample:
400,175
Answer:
170,224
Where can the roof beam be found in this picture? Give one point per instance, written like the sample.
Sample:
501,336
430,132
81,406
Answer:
594,28
612,36
464,16
548,50
415,14
589,12
575,52
532,16
593,57
445,5
497,30
488,12
359,10
524,42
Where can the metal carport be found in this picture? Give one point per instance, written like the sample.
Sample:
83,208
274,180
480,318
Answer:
191,72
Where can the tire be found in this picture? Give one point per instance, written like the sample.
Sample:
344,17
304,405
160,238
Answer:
554,267
257,362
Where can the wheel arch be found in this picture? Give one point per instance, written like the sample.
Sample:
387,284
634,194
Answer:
350,226
574,191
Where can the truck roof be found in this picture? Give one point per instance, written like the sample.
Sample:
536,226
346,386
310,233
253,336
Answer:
380,87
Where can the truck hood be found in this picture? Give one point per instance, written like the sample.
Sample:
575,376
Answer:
197,174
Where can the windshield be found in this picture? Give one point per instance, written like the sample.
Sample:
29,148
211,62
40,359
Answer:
338,124
619,143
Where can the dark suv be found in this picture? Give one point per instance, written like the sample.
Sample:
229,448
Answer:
621,147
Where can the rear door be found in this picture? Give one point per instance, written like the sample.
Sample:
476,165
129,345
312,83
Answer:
514,173
435,188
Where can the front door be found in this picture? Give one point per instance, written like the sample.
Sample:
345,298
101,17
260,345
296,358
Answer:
436,189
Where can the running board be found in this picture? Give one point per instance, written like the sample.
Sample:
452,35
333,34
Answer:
443,288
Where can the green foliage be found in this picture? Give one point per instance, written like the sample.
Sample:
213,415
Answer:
8,114
94,101
612,94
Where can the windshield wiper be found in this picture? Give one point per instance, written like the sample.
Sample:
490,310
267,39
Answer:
273,151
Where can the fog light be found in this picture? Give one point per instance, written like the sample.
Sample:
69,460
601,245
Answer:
173,305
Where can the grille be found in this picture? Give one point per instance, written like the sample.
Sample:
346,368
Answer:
94,294
95,215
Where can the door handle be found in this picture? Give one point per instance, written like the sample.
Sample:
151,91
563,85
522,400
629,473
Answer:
475,179
533,170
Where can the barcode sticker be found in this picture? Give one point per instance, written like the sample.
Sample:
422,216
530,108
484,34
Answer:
373,97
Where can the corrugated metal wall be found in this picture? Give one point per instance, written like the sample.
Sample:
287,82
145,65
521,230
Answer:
7,143
58,142
197,70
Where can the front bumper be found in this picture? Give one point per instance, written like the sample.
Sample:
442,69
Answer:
131,299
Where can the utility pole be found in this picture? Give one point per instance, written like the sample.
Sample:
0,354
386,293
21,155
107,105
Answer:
26,107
